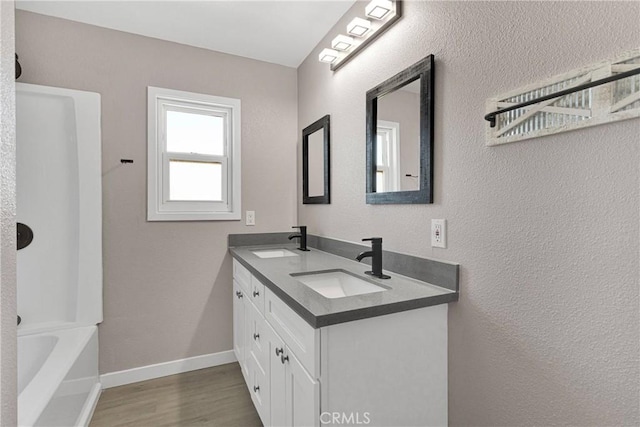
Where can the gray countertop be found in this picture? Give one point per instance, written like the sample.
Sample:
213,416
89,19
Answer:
403,293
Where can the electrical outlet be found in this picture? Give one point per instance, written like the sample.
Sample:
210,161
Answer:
438,233
251,218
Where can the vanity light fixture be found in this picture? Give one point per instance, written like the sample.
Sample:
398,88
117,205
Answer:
361,32
378,9
342,42
358,27
328,55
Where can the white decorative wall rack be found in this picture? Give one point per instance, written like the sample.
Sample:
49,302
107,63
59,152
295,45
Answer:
600,93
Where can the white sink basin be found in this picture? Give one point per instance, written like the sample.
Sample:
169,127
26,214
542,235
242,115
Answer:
337,283
274,253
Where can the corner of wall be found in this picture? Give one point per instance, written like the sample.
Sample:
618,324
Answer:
8,340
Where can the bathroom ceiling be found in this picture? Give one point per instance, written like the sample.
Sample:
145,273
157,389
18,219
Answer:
282,32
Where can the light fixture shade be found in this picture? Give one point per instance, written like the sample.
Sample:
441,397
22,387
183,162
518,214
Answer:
342,42
358,27
328,55
378,9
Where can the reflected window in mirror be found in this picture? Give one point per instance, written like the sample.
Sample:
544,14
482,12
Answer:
387,156
316,162
400,137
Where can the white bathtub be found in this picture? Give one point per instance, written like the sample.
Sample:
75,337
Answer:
58,381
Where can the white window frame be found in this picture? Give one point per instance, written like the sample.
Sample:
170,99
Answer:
159,207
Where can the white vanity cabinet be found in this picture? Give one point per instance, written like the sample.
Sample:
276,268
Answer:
283,392
386,370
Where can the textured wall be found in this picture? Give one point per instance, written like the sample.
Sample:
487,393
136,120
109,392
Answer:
167,285
546,231
8,343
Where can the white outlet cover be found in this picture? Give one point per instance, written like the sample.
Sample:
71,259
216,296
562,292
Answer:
438,233
250,218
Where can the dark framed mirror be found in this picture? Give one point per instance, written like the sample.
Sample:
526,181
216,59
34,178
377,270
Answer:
316,176
400,137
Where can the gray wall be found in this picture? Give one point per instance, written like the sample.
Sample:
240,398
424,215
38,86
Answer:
167,285
8,343
546,231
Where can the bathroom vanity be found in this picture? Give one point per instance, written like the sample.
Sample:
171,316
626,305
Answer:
319,342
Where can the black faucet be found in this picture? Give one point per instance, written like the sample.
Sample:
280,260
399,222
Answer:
376,257
302,236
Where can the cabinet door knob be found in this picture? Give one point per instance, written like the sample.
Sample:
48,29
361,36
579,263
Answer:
256,293
256,336
256,388
279,351
284,358
239,294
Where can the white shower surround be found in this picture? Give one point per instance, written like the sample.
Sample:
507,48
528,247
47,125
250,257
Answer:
60,273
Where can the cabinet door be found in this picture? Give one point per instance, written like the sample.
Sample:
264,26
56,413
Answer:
277,374
303,394
259,387
239,326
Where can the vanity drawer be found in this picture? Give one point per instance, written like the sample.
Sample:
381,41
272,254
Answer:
242,276
258,338
257,294
298,335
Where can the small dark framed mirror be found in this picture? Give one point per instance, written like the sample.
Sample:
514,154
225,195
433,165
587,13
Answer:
316,174
400,137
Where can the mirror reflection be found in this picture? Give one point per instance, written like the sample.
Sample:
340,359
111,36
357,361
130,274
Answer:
398,140
316,174
316,163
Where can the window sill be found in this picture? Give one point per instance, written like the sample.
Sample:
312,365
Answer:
194,216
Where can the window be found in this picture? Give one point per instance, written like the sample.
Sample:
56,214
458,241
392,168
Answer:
193,156
388,158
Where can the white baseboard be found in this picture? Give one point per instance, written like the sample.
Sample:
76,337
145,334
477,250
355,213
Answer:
143,373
